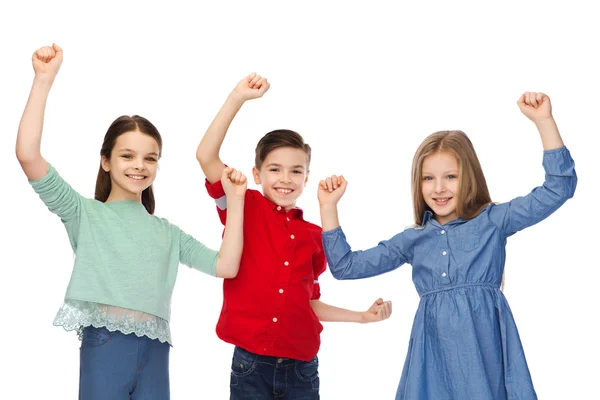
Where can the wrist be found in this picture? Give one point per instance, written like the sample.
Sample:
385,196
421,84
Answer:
363,318
235,200
236,97
328,207
40,82
542,123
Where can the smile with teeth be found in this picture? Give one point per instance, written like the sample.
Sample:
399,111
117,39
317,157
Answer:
283,190
442,201
137,177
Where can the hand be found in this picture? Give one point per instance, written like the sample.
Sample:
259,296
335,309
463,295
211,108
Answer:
252,87
535,106
234,182
46,62
331,190
379,311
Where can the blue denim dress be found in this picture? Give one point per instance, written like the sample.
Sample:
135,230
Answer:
464,342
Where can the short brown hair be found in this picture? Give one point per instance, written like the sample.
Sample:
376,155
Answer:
473,192
277,139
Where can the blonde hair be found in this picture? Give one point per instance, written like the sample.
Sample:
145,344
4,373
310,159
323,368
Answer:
473,193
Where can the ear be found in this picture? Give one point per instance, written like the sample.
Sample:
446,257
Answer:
105,164
306,178
256,175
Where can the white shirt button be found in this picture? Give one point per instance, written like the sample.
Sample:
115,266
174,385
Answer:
280,290
278,208
443,231
292,237
286,263
274,319
444,253
288,219
443,274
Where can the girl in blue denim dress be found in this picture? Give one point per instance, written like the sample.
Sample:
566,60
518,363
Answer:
464,342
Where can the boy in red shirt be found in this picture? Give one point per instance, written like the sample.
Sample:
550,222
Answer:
271,310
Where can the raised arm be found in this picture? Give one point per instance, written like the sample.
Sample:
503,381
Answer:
560,180
330,192
46,63
234,184
251,87
343,262
537,107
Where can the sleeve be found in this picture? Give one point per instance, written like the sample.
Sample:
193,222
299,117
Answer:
559,186
196,255
347,264
215,190
319,266
62,200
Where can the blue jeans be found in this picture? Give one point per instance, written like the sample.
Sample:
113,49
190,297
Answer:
122,367
263,377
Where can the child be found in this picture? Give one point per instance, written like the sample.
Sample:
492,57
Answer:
271,310
119,296
464,342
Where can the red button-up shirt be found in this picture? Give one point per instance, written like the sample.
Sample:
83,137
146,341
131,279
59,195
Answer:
266,308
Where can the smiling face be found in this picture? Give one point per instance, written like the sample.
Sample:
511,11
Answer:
132,165
440,186
283,176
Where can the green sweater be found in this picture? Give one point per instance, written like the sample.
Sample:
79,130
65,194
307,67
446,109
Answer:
124,256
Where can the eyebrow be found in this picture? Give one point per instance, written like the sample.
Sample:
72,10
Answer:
133,151
279,165
450,171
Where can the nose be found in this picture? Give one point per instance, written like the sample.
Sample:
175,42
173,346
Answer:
285,177
139,164
439,186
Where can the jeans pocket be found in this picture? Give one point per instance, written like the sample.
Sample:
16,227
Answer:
307,371
243,362
93,336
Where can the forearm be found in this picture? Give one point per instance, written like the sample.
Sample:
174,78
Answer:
329,217
230,252
549,134
29,136
328,313
210,145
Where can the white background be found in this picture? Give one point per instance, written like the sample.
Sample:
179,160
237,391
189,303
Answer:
364,82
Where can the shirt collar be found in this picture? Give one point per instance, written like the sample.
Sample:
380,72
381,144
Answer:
295,212
428,217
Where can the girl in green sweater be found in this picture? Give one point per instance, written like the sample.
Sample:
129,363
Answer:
126,259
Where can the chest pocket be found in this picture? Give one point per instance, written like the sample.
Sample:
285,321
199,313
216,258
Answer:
467,237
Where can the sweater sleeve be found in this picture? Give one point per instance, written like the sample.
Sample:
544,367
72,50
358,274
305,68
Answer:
196,255
62,200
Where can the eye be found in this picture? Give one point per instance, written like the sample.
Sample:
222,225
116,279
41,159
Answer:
126,156
274,169
427,178
296,172
151,159
451,176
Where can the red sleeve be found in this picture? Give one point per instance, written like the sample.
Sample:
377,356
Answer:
319,266
215,190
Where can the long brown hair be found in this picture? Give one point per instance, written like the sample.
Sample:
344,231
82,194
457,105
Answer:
473,192
121,125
